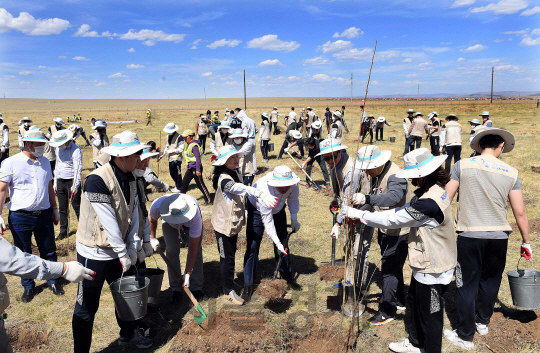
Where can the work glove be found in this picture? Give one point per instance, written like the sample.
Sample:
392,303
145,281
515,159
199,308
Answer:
55,216
302,165
286,150
165,187
73,191
268,200
280,248
2,226
132,254
185,281
2,149
359,199
335,231
295,225
148,249
126,262
141,255
75,272
526,251
213,158
334,205
154,243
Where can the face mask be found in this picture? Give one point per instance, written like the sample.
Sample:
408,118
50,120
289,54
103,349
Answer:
138,173
26,124
38,151
472,127
63,147
58,126
238,141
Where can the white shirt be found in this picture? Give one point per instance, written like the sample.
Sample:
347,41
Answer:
194,225
5,134
292,116
29,184
69,164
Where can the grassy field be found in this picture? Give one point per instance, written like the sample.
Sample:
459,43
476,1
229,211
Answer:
305,321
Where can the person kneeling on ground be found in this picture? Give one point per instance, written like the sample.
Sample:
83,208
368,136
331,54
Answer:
292,138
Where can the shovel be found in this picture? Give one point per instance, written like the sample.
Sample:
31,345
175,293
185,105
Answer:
199,319
317,187
333,261
280,260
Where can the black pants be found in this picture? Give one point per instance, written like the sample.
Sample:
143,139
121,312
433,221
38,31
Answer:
4,155
227,251
202,140
53,165
264,148
175,170
454,151
426,305
248,179
190,175
87,302
328,124
63,192
434,141
394,251
83,134
379,130
286,144
276,128
322,165
366,131
478,275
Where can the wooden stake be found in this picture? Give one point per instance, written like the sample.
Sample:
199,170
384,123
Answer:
245,99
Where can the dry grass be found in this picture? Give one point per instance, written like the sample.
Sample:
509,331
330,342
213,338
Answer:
309,247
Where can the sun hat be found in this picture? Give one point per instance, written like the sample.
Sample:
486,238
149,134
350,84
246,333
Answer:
265,114
295,134
149,110
370,116
147,154
370,157
73,127
337,113
316,125
484,113
227,110
124,144
224,125
475,121
282,176
34,127
236,133
59,121
381,119
418,114
452,116
35,135
434,114
187,133
275,108
178,209
170,128
330,145
308,108
26,119
410,111
60,137
223,155
99,123
509,139
420,163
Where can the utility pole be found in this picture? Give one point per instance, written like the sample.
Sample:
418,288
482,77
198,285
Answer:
245,100
492,71
418,98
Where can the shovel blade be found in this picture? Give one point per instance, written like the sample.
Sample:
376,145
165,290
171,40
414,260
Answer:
200,319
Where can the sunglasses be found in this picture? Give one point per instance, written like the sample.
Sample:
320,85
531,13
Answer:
331,156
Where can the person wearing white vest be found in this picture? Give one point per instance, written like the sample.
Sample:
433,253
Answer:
149,177
336,132
229,216
316,130
221,138
174,150
431,247
24,125
409,146
451,140
434,133
50,153
485,185
264,135
486,121
387,192
274,119
4,140
108,240
201,127
246,152
99,140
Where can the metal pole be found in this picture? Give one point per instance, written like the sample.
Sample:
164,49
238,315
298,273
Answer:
492,71
418,98
245,100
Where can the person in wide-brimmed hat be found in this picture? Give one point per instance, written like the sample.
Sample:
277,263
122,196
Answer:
406,125
99,140
316,130
338,128
174,149
486,121
379,128
415,132
220,138
24,125
248,162
451,140
49,149
149,117
292,138
432,228
274,119
265,135
486,185
144,171
194,167
4,140
434,133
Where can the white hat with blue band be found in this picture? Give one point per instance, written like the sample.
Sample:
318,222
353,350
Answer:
224,125
35,136
178,208
99,123
124,144
370,157
330,145
237,133
147,154
282,176
60,137
420,163
224,153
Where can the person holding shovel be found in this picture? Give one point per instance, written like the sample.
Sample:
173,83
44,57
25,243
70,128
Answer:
228,213
485,185
292,138
313,151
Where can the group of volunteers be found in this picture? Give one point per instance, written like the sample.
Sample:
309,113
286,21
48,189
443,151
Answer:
117,232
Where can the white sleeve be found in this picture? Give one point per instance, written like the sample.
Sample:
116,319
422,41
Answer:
21,143
195,225
107,217
246,148
6,137
133,239
443,137
77,167
213,147
180,148
261,132
97,141
240,189
405,127
390,219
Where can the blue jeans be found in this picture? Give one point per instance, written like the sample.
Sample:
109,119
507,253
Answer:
22,226
409,144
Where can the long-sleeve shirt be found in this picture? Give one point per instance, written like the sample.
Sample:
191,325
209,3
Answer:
151,178
352,179
248,125
197,164
5,134
69,164
396,189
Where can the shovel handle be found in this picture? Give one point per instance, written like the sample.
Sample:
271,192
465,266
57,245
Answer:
333,255
276,271
300,167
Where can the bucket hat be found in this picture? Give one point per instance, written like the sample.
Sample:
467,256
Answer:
370,157
475,121
316,125
99,123
227,110
410,111
265,114
381,119
282,176
330,145
147,154
170,128
420,163
484,113
418,114
295,134
224,125
178,209
59,121
275,108
509,139
124,144
187,133
236,133
60,137
35,135
223,155
337,113
452,116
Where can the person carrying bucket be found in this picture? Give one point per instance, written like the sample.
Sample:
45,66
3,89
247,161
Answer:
485,184
107,236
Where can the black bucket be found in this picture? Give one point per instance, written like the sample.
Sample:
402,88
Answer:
393,139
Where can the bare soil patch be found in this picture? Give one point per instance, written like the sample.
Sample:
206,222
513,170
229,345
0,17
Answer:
330,273
272,289
509,333
28,337
534,226
65,249
535,169
209,237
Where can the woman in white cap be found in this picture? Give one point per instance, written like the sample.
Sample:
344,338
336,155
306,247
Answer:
221,138
486,185
264,135
246,152
282,184
451,140
49,150
24,125
432,247
99,140
486,121
228,213
201,126
174,149
108,236
292,138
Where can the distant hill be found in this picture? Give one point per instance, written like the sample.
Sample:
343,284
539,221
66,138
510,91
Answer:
476,95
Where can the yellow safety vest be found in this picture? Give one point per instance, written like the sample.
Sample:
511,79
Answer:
188,152
147,114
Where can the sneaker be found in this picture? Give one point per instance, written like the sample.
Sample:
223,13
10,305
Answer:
137,339
175,190
453,337
380,319
482,329
234,299
404,347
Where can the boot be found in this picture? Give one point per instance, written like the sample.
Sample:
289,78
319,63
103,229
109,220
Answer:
349,307
246,295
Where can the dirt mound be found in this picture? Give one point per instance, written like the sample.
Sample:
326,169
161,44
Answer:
28,337
535,169
509,333
65,249
330,273
209,237
534,226
272,289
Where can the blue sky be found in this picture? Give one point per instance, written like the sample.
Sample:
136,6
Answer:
176,49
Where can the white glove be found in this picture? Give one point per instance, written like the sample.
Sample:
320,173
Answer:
286,150
75,272
148,250
56,216
126,262
2,225
3,149
302,166
280,248
155,243
185,280
132,254
73,189
335,231
269,201
165,187
141,255
359,199
352,212
295,225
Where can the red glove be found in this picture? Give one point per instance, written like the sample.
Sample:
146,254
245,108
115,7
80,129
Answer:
526,251
353,221
158,149
334,206
72,194
213,158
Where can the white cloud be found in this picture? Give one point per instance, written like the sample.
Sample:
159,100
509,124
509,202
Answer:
349,33
506,67
531,11
535,32
195,43
334,47
271,42
117,75
27,24
62,57
321,77
475,48
425,66
135,66
503,7
460,60
25,73
269,62
84,31
25,82
319,60
231,43
80,58
529,41
407,60
437,50
231,83
411,75
292,78
131,50
388,55
100,84
446,43
186,25
354,54
206,74
459,3
42,67
523,32
150,37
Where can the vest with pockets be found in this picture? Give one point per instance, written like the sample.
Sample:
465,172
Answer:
419,127
228,218
438,131
99,156
175,143
188,152
266,133
49,152
2,125
453,133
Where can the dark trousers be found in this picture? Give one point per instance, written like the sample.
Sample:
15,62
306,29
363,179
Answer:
478,275
227,251
63,193
366,131
254,234
411,141
426,305
394,251
276,129
286,144
454,151
202,140
87,303
264,148
190,175
322,165
434,141
22,226
379,131
175,170
83,134
248,179
4,155
53,165
149,121
328,124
